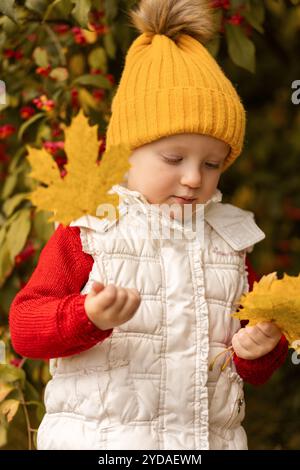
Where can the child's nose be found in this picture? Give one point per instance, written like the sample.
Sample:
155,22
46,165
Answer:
191,178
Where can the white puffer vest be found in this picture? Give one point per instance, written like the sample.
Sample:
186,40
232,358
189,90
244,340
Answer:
148,385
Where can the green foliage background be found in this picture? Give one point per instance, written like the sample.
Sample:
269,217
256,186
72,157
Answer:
43,55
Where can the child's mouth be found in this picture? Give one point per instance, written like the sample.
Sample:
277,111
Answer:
181,200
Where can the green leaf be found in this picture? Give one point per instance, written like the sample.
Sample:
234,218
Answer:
60,74
110,45
5,390
11,219
40,57
39,6
40,413
10,204
111,9
81,11
45,375
59,9
30,391
28,123
12,287
3,435
255,15
2,235
241,50
258,7
87,100
93,80
15,159
252,20
7,8
41,227
97,59
9,373
9,27
6,265
9,185
21,14
18,232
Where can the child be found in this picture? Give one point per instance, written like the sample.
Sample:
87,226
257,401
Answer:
131,324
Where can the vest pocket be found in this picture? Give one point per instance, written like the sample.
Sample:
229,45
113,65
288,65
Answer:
227,409
126,397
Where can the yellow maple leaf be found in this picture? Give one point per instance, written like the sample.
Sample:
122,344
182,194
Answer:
275,300
9,408
85,186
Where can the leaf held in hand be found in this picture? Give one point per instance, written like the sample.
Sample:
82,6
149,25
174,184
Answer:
274,300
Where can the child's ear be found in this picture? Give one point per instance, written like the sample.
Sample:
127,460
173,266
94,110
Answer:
125,179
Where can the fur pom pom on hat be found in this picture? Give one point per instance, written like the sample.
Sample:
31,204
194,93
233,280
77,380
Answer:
171,84
174,17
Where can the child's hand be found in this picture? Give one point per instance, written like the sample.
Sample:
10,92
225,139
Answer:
111,306
253,342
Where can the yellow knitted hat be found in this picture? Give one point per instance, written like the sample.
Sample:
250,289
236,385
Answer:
171,84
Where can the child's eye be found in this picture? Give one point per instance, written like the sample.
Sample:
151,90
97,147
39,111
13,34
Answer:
212,166
172,160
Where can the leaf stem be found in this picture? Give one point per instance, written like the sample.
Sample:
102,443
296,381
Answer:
23,403
56,43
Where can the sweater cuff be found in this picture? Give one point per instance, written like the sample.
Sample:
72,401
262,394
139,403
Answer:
258,371
78,325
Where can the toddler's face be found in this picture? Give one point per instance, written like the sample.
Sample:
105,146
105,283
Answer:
182,165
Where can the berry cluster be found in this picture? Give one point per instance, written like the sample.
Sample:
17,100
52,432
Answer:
43,103
235,19
11,54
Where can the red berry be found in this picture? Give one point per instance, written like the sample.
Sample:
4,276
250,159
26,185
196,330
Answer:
61,28
26,112
236,19
6,131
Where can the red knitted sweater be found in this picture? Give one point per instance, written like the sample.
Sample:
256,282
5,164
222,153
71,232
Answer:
47,317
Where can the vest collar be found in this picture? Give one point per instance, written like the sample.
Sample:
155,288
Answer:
236,226
129,196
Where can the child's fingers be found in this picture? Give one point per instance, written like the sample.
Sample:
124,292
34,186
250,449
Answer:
255,334
240,350
125,307
108,296
131,305
119,301
96,287
269,329
246,341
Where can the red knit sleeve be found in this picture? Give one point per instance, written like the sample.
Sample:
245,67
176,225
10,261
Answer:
258,371
47,318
